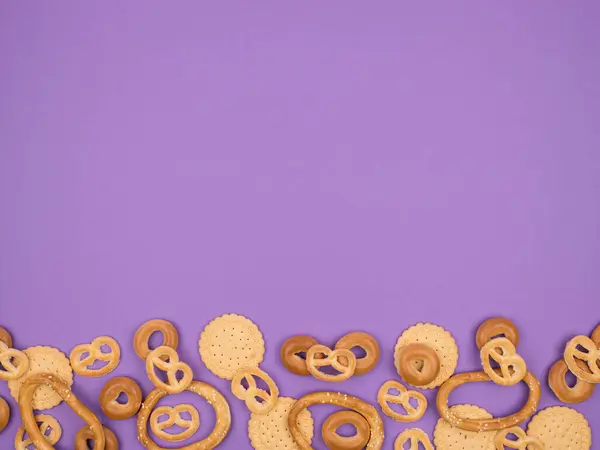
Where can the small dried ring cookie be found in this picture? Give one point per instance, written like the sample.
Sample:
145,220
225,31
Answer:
418,364
486,424
252,393
81,363
14,363
4,414
342,360
590,356
437,338
173,413
403,398
85,434
512,365
333,440
595,336
166,359
495,327
110,393
580,392
448,437
290,351
559,427
523,442
230,343
141,340
47,425
6,337
338,399
416,437
366,342
208,392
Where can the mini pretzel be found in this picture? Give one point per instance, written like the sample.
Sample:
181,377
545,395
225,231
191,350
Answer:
6,337
591,357
289,353
28,388
174,418
493,424
253,392
8,358
110,393
523,441
512,366
418,364
338,399
580,392
141,339
94,350
415,436
166,359
334,441
321,356
44,422
367,343
384,398
497,326
214,398
85,434
4,414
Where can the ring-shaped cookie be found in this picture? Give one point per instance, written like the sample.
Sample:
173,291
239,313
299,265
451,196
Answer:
496,326
6,337
141,340
333,440
367,343
110,393
84,434
580,391
4,414
418,364
290,350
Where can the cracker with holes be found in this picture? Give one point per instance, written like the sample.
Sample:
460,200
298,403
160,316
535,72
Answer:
44,360
230,343
270,431
447,437
440,340
560,428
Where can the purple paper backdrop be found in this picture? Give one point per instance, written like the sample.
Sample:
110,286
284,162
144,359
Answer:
320,168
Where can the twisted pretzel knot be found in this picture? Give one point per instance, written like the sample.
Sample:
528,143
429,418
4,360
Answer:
591,357
45,422
94,350
503,351
252,393
415,436
523,441
384,398
173,414
341,359
8,358
166,359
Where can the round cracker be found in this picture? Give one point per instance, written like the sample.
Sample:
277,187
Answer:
270,431
447,437
44,360
559,427
440,340
230,343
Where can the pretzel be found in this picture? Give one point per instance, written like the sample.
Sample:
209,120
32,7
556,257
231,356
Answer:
321,356
28,388
110,393
174,418
367,343
492,424
6,337
591,358
338,399
502,351
44,423
289,353
166,359
384,398
81,364
141,339
8,358
85,434
4,414
418,364
497,326
415,436
333,440
212,396
253,392
523,442
580,392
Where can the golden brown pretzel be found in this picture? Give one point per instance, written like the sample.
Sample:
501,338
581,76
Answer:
111,391
46,423
418,364
6,337
289,353
384,398
166,359
338,399
28,388
367,343
497,326
415,436
81,364
141,339
336,442
591,357
173,414
15,363
214,398
341,360
580,392
4,414
250,394
84,434
493,424
523,442
502,351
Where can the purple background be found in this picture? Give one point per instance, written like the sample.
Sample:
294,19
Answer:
320,168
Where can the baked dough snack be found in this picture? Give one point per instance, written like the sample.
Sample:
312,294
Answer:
560,428
173,413
81,363
49,428
13,363
503,352
6,337
523,442
253,392
4,414
291,350
418,364
342,360
590,356
333,440
403,398
416,437
84,434
497,327
141,340
577,393
447,437
110,393
367,343
166,359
